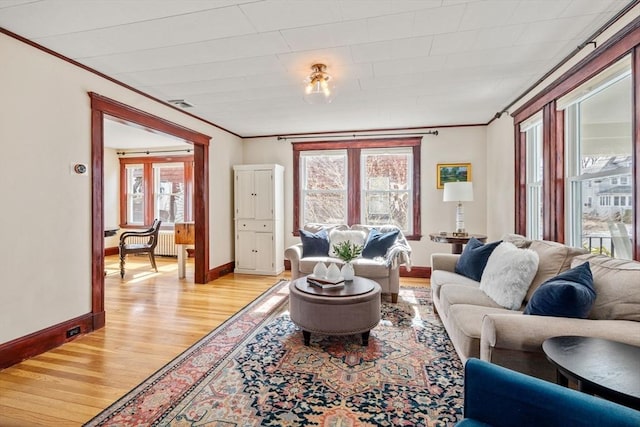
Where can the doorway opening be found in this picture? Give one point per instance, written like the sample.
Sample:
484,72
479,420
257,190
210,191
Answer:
101,107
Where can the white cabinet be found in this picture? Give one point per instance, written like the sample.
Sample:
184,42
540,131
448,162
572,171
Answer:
259,228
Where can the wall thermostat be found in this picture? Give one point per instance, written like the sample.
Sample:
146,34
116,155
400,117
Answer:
79,168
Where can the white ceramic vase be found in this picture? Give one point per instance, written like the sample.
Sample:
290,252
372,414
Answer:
347,271
333,272
320,270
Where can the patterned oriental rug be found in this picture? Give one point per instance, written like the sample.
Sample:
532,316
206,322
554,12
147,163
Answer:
255,370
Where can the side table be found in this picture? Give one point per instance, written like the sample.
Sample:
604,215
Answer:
601,367
455,241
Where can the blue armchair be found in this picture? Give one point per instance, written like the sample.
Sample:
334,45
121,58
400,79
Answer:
496,396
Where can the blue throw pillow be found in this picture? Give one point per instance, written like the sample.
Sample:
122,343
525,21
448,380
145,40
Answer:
378,243
474,258
569,294
314,244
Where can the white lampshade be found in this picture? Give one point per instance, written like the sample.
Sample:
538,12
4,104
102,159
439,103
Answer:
458,192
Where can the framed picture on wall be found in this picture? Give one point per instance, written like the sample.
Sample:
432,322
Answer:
452,172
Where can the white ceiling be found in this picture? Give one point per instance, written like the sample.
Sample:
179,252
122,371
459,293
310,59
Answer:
129,136
396,63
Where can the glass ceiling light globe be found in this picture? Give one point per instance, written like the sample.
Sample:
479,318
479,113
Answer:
318,88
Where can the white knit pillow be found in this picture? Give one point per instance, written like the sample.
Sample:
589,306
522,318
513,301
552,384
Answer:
338,236
508,275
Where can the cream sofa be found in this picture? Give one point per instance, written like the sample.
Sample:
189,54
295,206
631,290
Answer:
478,327
384,270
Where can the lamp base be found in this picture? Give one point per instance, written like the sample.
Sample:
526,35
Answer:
460,234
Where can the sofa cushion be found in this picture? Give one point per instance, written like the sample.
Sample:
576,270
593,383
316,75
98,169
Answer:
617,286
508,275
451,295
441,277
370,268
314,244
378,243
336,236
554,258
474,258
570,294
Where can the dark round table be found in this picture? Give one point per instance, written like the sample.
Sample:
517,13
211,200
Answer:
601,367
456,242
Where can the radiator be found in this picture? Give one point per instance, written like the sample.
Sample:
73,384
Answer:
166,244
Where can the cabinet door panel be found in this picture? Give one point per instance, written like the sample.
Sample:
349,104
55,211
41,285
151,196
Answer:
245,250
264,254
263,186
245,194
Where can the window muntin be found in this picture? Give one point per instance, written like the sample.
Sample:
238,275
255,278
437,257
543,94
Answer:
386,189
323,178
598,138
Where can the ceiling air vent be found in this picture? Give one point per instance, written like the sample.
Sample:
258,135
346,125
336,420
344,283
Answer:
180,103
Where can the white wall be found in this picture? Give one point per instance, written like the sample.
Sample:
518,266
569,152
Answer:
45,126
452,145
111,194
500,178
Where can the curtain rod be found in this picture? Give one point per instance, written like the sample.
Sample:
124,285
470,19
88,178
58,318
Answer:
429,132
124,153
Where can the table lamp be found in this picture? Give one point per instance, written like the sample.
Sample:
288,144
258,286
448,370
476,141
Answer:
458,192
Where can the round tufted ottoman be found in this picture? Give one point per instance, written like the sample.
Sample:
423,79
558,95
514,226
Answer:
352,309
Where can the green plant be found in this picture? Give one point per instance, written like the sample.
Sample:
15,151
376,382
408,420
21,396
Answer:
347,251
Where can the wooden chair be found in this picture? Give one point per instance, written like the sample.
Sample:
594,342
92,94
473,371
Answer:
139,248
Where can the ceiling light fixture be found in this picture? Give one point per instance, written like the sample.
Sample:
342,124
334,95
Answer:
318,89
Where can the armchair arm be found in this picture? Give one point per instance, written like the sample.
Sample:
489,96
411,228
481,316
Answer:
294,254
144,233
446,262
496,396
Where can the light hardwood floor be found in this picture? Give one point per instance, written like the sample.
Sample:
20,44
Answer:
151,318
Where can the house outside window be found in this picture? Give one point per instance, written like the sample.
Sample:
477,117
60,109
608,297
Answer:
348,182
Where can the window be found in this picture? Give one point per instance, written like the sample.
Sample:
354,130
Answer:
386,187
598,143
168,180
534,171
156,187
323,181
135,194
350,182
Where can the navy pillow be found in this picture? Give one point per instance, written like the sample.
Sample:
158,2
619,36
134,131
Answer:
474,258
314,244
378,243
569,294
